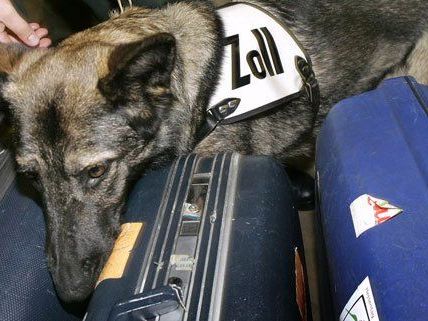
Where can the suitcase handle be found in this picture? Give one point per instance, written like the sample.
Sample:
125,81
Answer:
147,305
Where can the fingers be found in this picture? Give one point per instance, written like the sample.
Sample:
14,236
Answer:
40,32
13,21
4,37
34,25
45,42
13,28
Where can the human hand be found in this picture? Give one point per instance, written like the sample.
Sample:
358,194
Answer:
13,28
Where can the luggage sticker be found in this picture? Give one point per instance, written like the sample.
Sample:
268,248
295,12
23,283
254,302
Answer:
123,247
361,306
182,262
300,285
368,211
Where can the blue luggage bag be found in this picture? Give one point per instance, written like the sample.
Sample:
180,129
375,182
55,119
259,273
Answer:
372,174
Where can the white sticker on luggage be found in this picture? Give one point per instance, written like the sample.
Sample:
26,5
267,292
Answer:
259,61
368,211
361,306
182,262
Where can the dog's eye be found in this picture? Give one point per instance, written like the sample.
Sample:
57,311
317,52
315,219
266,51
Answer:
97,170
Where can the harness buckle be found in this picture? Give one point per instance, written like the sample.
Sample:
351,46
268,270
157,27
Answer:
215,115
224,108
310,83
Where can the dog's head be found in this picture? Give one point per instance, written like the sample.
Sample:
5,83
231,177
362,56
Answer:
86,118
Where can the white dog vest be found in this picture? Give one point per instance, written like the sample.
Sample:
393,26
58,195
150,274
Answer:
263,65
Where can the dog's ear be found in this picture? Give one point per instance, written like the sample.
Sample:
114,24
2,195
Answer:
140,69
10,56
138,84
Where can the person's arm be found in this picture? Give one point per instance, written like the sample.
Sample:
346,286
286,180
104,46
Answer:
13,28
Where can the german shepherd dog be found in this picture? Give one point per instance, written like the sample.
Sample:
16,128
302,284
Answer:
109,102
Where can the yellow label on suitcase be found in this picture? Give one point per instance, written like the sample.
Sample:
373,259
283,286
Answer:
125,243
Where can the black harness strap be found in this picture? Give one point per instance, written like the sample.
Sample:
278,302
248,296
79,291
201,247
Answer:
216,114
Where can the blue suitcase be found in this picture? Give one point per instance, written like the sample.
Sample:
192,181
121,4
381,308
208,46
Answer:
220,241
372,174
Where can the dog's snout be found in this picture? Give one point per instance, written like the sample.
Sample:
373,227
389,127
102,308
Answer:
76,252
75,277
88,266
75,281
73,290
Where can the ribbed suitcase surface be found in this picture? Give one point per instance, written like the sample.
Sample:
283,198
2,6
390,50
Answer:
371,150
224,230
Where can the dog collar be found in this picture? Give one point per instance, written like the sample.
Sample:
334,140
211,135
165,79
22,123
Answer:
263,67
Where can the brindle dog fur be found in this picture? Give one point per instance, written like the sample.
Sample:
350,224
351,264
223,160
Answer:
91,114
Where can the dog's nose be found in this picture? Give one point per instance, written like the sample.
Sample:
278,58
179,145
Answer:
74,279
88,267
73,291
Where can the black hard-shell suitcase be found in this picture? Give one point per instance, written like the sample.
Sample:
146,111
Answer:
26,288
207,239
